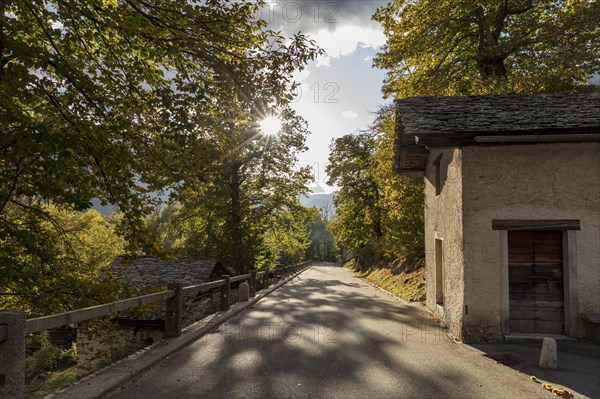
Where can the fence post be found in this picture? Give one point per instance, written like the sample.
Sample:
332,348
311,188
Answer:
266,278
174,312
225,292
252,283
12,355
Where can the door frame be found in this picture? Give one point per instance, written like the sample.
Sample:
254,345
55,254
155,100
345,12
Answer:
569,245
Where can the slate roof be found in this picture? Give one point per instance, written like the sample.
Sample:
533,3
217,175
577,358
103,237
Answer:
506,114
147,271
425,122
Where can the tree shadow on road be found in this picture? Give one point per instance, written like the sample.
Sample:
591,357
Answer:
317,337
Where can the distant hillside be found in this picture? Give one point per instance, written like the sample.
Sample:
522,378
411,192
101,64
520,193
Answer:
317,200
107,210
104,210
311,200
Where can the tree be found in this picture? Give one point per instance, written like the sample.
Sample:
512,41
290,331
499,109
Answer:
245,197
163,224
63,264
374,206
287,240
402,197
358,215
448,47
322,243
114,99
117,100
327,212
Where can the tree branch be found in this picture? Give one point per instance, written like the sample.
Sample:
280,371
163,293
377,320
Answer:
515,11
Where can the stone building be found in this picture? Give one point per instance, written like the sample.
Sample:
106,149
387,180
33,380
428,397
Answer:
135,331
148,271
512,210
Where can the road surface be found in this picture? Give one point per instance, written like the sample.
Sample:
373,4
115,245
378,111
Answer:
327,334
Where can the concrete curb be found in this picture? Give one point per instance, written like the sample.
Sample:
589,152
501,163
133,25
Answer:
116,374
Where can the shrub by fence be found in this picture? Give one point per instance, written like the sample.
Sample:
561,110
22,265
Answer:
14,326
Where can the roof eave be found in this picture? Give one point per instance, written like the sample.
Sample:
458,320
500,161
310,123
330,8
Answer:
457,139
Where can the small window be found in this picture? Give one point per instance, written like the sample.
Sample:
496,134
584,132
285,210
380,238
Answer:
439,272
438,175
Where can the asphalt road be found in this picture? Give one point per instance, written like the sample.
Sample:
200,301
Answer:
327,334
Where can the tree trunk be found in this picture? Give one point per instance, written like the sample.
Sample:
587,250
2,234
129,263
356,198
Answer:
492,68
2,61
237,252
377,209
490,57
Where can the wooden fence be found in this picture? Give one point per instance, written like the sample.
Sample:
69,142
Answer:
14,327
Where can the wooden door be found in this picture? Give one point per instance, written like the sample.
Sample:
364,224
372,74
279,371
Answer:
535,286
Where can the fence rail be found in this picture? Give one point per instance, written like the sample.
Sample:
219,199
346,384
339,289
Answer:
74,316
14,327
241,277
192,289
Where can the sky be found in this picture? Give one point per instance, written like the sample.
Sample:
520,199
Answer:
339,91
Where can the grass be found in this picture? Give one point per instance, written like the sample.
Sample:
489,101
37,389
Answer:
41,387
408,284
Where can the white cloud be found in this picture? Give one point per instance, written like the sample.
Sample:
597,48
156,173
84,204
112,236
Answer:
344,41
300,76
350,114
324,61
368,58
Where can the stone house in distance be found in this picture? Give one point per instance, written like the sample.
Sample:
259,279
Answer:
512,210
149,271
146,272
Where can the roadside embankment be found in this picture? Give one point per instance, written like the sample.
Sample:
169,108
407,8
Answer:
403,278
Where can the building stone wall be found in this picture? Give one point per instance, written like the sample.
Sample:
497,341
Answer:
526,182
12,354
443,220
95,351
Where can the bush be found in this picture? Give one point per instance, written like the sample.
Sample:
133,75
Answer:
49,357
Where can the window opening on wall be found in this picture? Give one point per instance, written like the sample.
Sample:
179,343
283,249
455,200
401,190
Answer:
439,272
438,175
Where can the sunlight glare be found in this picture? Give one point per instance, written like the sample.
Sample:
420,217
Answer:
270,126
